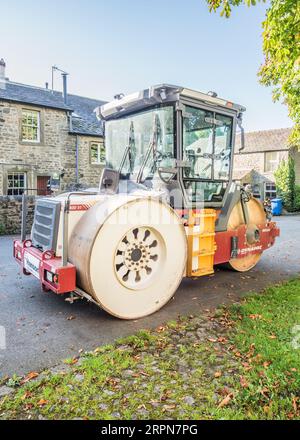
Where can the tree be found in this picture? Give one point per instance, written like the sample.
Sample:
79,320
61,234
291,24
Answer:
285,183
281,48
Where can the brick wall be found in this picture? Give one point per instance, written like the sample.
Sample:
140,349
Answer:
10,214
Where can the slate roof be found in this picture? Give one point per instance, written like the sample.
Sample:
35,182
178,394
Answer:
84,120
265,140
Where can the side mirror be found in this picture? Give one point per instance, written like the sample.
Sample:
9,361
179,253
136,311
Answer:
239,123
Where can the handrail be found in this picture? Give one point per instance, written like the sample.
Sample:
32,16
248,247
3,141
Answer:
65,243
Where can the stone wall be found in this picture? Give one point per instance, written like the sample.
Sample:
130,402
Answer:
11,212
89,175
55,154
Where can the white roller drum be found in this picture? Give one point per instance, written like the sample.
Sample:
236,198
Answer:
130,254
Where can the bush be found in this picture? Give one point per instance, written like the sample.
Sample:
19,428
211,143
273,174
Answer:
297,198
285,183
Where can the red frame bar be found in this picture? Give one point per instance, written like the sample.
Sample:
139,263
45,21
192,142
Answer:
66,275
268,232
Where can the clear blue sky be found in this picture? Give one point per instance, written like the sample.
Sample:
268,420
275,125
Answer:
125,45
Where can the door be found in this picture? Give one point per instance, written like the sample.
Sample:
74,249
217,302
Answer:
43,186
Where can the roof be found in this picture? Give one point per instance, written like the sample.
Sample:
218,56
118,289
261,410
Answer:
252,175
266,140
160,94
84,119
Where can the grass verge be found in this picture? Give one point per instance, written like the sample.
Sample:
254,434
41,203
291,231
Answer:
241,363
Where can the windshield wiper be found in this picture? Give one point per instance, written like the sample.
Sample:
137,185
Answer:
151,148
128,150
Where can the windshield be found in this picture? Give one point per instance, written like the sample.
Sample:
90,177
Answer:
142,140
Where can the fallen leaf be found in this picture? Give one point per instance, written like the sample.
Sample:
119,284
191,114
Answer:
265,391
294,403
225,401
26,395
255,316
160,329
70,318
169,407
42,402
29,377
266,364
244,382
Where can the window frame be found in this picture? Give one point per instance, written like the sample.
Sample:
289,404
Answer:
12,188
270,191
279,154
31,141
99,144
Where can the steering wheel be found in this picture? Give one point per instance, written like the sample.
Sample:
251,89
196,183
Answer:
171,171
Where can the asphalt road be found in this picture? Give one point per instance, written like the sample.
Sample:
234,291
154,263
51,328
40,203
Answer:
39,331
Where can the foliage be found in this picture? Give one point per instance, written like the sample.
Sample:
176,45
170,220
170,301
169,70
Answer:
2,229
241,363
281,47
297,198
285,183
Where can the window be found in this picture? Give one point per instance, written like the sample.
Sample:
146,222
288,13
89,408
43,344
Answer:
273,159
207,144
137,131
207,138
97,153
30,126
16,183
270,191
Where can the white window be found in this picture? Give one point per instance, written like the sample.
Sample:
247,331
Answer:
97,153
270,190
16,183
30,126
273,159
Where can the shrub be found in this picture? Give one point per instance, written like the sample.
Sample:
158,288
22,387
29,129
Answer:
285,183
2,229
297,198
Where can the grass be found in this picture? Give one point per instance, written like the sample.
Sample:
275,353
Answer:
241,363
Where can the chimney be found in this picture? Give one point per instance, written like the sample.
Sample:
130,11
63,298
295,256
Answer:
65,91
2,69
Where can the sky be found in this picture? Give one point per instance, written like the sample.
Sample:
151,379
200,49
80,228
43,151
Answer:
114,46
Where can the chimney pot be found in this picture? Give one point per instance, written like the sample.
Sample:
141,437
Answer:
65,92
2,69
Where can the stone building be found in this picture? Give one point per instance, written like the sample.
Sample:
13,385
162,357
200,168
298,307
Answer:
263,152
49,141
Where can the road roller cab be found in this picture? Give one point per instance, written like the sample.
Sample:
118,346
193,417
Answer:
166,207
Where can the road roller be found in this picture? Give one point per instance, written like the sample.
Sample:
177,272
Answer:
166,207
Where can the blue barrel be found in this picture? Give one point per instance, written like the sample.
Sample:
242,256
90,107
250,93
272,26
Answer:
276,206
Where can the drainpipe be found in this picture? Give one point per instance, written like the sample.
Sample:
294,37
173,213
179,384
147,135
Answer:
77,159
